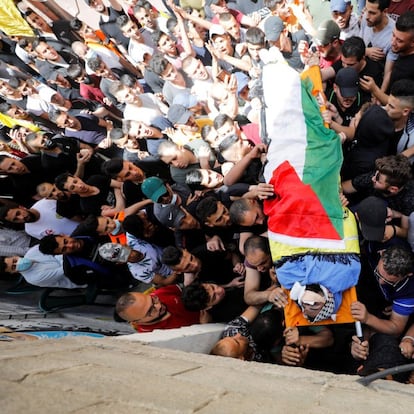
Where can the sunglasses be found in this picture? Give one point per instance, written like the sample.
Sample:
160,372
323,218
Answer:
380,277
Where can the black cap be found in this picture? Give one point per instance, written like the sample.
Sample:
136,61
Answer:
348,81
372,213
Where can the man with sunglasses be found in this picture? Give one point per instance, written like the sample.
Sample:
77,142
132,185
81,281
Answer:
394,273
162,309
382,347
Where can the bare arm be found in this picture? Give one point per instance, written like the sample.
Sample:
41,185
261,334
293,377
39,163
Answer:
252,294
347,187
234,175
322,339
134,208
251,313
395,325
185,42
389,65
195,19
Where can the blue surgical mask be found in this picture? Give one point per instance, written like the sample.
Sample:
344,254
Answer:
117,228
23,264
174,198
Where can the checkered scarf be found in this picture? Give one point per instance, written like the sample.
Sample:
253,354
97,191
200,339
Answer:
327,311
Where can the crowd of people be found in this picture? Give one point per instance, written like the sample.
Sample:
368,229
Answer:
134,153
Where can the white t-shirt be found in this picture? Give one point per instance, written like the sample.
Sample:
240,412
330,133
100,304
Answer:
145,113
49,221
46,270
202,88
151,264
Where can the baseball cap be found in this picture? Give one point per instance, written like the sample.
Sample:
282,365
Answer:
115,252
273,26
348,81
339,5
153,188
178,114
327,32
185,99
216,29
242,81
372,213
169,215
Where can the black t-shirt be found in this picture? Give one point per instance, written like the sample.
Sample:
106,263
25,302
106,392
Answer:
256,229
232,306
403,69
403,201
372,68
93,204
24,186
350,112
216,267
57,163
69,208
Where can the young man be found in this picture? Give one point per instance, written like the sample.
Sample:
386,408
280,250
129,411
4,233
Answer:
39,269
278,35
391,180
345,96
142,258
237,339
329,43
221,304
376,30
353,55
343,16
174,79
205,266
82,265
399,108
402,44
181,160
95,192
138,51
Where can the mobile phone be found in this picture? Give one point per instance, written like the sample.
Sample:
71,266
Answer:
223,76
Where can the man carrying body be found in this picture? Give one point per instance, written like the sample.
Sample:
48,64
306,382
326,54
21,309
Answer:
394,276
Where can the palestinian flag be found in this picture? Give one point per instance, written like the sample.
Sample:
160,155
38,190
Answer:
304,161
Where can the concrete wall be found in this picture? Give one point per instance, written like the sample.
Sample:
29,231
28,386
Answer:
197,338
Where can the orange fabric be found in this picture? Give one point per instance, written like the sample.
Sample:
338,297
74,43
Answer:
294,316
119,238
314,74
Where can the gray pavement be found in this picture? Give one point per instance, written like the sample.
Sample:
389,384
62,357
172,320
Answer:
83,375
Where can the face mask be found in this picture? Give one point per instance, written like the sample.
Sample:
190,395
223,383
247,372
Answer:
174,198
23,264
117,228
